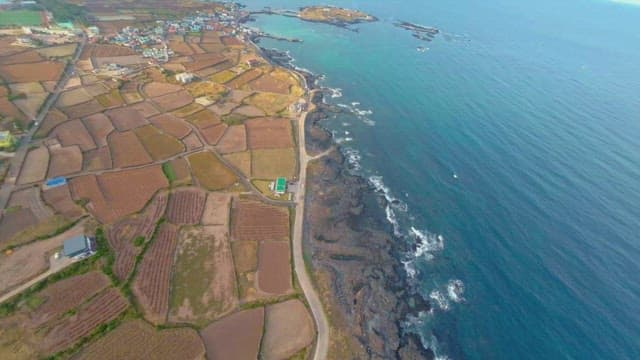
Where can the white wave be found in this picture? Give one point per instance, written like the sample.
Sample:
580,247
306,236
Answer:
440,300
369,122
355,103
409,268
353,158
335,92
391,217
346,124
426,243
455,290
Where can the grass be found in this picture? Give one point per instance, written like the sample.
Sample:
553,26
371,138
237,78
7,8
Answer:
223,76
270,103
20,18
159,145
273,163
263,187
169,172
211,172
206,88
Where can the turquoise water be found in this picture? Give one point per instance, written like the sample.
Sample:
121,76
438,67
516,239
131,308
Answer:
516,137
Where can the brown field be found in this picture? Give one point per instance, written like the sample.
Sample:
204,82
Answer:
267,83
67,294
30,260
223,108
7,109
231,41
154,89
102,309
128,191
87,188
238,96
138,340
40,71
31,105
234,140
174,101
103,50
13,223
180,47
212,135
181,169
213,47
244,78
216,210
152,282
50,86
53,118
98,159
35,166
186,206
204,281
74,133
171,125
73,97
84,109
204,119
59,198
270,103
191,142
159,145
125,60
190,109
273,163
132,97
110,99
65,160
288,329
99,127
235,337
28,56
204,61
256,221
126,118
269,133
127,150
274,267
30,198
245,255
241,160
58,51
122,234
210,172
96,89
146,108
248,111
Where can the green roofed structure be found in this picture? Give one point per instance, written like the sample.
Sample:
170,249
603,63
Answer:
79,247
281,186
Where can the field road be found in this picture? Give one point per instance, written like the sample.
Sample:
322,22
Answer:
21,152
310,293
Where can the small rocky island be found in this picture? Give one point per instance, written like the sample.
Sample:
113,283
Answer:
424,33
334,15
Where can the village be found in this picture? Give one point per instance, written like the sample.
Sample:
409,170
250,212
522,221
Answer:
149,170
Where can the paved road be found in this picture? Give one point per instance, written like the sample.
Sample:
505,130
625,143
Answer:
310,293
21,152
55,265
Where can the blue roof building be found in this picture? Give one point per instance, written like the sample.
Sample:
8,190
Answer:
79,247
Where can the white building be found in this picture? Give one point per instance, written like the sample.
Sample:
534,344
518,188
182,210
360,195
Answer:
184,78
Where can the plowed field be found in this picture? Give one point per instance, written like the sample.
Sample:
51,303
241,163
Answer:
234,140
236,336
274,267
269,133
254,220
186,206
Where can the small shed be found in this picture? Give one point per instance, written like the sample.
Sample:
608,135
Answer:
79,247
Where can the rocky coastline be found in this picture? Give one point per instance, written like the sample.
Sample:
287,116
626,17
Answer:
354,257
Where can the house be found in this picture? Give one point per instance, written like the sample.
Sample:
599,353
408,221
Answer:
184,78
79,247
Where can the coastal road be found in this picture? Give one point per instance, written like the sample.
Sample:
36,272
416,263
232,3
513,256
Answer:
322,325
21,152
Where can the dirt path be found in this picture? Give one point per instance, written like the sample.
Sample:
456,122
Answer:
322,325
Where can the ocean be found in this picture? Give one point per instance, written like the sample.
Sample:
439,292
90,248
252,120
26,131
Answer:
511,150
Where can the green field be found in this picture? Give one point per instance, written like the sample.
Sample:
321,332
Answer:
20,18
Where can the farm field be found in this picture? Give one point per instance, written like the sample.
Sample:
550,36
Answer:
210,172
186,206
217,209
268,83
271,104
30,198
127,150
58,51
152,282
248,111
84,109
65,161
20,18
233,140
154,89
213,134
173,101
74,133
236,336
54,118
256,221
121,235
274,267
138,340
41,71
99,127
192,142
98,159
31,104
180,170
204,119
171,125
241,160
74,97
244,78
35,166
273,163
59,198
127,118
204,282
